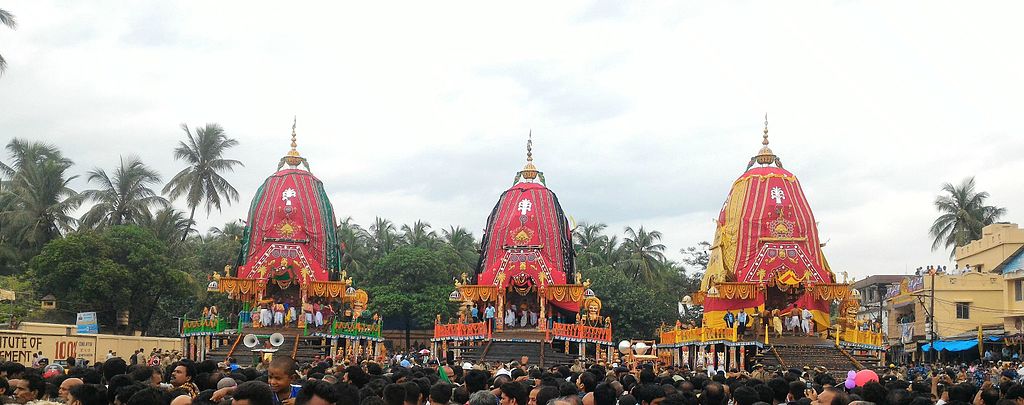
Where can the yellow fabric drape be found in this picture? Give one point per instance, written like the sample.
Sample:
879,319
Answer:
564,292
743,291
764,177
831,291
241,286
486,293
723,251
328,289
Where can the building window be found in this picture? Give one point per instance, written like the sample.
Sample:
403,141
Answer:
963,310
1018,290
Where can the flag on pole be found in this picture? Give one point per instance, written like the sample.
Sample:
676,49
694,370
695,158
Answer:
981,343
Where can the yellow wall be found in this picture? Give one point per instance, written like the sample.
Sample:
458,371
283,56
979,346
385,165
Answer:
998,241
984,292
1014,308
57,342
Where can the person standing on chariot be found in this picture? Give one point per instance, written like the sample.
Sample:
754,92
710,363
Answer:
278,314
318,315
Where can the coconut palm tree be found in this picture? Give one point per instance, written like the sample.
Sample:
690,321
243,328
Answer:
124,197
201,182
36,203
6,18
963,214
610,253
463,243
383,237
644,256
419,235
166,224
232,230
590,241
354,245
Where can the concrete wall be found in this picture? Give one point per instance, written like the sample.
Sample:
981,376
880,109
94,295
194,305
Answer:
1014,320
58,342
998,241
997,244
984,292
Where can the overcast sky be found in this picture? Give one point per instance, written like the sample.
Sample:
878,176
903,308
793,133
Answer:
643,113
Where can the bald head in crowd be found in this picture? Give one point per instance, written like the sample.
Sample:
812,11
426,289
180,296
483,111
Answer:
66,386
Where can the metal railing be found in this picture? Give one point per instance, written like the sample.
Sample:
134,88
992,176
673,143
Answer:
449,331
701,334
581,333
203,326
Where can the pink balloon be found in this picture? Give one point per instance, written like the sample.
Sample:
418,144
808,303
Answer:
864,377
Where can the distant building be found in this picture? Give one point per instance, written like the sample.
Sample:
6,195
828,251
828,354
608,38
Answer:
998,242
962,303
1000,252
1012,270
875,293
984,289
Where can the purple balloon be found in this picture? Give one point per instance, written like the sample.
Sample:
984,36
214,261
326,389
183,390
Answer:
850,384
851,374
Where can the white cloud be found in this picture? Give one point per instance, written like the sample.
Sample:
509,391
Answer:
643,113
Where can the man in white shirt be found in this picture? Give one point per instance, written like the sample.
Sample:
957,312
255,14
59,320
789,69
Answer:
806,321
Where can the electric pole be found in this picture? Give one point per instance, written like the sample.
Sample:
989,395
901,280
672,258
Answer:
931,317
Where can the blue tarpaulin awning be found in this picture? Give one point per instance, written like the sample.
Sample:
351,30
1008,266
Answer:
951,345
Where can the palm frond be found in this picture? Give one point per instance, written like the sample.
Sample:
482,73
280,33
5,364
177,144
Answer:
6,18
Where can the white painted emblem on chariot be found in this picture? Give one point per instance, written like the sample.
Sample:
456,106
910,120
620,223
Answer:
777,195
524,206
287,196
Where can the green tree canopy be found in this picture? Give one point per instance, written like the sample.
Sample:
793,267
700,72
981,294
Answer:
412,284
637,308
119,268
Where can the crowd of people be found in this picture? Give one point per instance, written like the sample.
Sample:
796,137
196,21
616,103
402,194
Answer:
285,312
795,321
792,321
416,379
516,316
